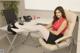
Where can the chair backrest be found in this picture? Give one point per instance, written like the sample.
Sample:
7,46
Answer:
10,16
71,17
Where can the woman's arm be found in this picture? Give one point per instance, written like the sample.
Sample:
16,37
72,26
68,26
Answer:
48,26
61,28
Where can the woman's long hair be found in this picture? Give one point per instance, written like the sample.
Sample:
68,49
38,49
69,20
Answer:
61,10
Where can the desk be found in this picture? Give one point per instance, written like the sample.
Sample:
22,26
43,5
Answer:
28,26
32,28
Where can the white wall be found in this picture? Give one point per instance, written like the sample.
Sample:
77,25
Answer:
51,4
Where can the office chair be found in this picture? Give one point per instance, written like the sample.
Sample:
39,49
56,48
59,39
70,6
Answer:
11,19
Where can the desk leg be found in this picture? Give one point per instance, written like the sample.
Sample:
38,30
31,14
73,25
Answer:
11,44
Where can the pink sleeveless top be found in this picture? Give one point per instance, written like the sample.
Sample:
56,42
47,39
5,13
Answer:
57,24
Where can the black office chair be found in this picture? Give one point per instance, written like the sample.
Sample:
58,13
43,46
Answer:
11,18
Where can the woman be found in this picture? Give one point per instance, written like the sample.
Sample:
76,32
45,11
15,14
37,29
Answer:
58,26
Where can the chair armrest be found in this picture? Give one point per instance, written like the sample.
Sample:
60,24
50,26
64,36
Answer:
62,38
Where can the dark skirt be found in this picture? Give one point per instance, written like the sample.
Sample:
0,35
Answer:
52,38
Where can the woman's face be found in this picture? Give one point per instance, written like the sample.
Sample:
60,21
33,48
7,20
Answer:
58,14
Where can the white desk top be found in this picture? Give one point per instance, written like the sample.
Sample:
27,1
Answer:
28,25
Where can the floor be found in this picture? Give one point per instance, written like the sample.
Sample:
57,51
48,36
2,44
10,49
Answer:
4,44
29,46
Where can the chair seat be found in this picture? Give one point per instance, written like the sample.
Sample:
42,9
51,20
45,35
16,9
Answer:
54,47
